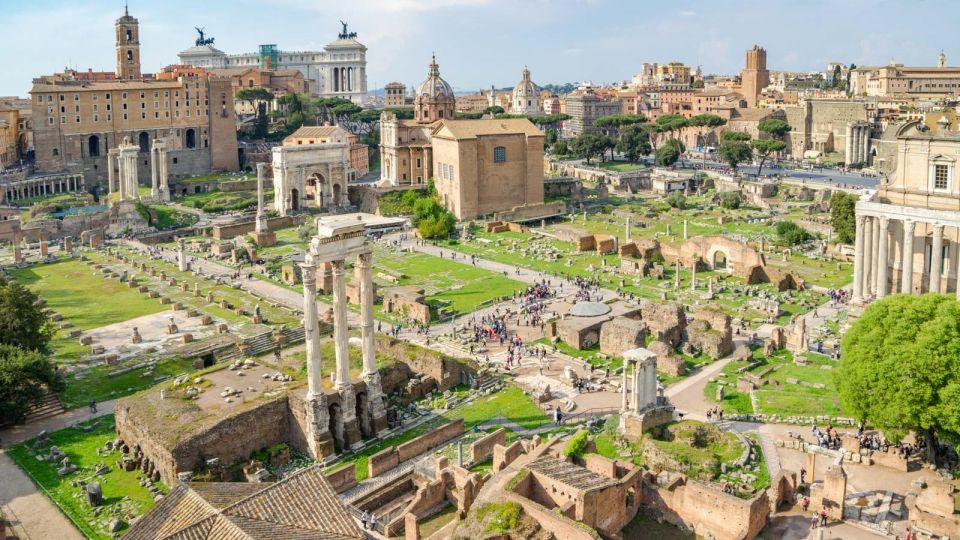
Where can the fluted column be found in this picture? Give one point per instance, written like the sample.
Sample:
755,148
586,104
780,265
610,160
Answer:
154,172
882,259
261,224
340,325
312,332
121,177
868,257
936,258
906,269
875,258
365,266
858,262
623,389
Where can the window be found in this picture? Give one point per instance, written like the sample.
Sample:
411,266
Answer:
940,176
107,96
56,152
499,154
418,163
124,95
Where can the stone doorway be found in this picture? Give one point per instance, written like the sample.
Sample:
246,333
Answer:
294,200
719,260
336,427
363,415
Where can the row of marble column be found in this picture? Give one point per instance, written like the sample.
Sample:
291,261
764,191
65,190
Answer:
871,272
858,143
43,187
159,189
125,180
642,393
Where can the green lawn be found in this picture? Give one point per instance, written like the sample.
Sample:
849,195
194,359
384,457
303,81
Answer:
621,166
123,496
216,201
95,384
169,217
84,298
703,460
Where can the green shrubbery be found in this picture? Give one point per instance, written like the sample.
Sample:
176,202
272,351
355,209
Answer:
676,200
730,200
791,234
216,201
504,517
401,203
577,445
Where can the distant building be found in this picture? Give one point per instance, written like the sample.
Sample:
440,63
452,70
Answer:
9,129
76,121
525,98
487,166
471,104
278,82
552,105
339,70
755,76
656,74
395,95
584,108
900,80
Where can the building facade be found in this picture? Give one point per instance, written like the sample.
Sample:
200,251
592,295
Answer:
76,122
339,70
395,95
405,145
9,136
899,80
755,76
359,160
525,98
486,166
584,108
908,230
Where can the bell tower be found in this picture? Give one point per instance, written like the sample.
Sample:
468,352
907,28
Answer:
128,47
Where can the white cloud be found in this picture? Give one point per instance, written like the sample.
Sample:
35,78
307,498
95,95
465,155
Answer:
687,13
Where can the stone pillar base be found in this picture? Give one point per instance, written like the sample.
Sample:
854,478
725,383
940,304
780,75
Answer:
353,439
265,238
380,424
319,438
633,425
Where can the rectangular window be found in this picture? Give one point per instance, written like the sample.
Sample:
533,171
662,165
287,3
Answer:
107,96
39,99
96,118
109,117
499,154
940,176
143,116
123,95
418,163
124,116
63,119
95,108
94,97
78,118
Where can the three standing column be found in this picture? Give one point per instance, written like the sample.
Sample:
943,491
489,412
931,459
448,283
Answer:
868,269
936,259
311,330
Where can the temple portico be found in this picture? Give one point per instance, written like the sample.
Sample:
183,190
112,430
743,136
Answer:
356,414
43,186
159,189
641,405
895,246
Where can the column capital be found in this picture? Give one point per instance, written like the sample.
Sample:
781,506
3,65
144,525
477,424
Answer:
337,267
365,259
909,225
309,273
884,221
938,229
861,219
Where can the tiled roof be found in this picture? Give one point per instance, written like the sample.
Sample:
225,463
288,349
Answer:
314,131
567,473
471,129
302,506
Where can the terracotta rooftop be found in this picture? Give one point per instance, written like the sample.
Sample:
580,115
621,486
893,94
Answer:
569,474
471,129
302,506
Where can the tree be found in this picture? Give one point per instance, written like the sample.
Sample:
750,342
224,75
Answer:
586,146
652,130
791,234
711,121
258,98
775,128
669,153
676,200
730,200
671,123
23,374
607,143
23,323
734,148
494,109
431,219
900,369
550,136
560,148
298,110
766,147
842,216
617,121
634,142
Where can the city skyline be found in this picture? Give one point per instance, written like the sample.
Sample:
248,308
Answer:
478,43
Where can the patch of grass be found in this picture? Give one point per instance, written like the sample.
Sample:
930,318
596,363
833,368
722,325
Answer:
503,517
705,459
121,490
95,384
645,526
216,201
437,521
621,166
172,218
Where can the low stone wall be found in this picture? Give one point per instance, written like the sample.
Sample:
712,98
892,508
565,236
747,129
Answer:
529,212
482,448
225,232
505,455
389,458
559,525
342,479
892,460
428,498
708,511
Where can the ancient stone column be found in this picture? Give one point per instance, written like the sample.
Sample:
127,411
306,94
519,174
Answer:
676,279
371,375
882,259
68,245
858,262
848,147
623,389
162,165
628,228
312,331
868,269
875,257
111,174
262,224
906,273
182,254
693,276
684,229
121,177
340,325
154,172
936,258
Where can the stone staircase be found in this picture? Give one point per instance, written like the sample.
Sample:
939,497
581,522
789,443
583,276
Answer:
295,335
769,449
488,381
49,407
259,344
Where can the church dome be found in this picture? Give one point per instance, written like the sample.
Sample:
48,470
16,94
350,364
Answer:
525,88
435,86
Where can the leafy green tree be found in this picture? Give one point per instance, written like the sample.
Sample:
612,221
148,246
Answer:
23,374
403,113
617,121
900,369
710,121
432,219
766,147
607,143
775,129
734,148
652,131
494,109
23,323
586,145
676,200
550,136
258,98
298,110
842,216
791,234
738,136
560,148
671,123
730,200
668,154
634,142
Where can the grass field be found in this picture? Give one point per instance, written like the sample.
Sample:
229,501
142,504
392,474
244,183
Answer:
169,217
123,496
96,385
216,201
621,166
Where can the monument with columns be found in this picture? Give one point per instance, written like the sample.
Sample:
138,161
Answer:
262,234
355,410
159,189
642,407
127,181
908,229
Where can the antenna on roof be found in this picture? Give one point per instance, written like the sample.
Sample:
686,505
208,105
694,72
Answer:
126,8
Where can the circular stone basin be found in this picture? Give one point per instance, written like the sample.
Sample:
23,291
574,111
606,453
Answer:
589,309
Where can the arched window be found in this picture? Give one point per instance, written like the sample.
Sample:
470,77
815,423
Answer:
93,146
191,138
129,36
499,154
56,152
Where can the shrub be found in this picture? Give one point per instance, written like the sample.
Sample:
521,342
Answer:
576,446
676,200
791,234
730,200
504,517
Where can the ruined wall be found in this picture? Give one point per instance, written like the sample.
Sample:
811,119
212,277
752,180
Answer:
131,432
708,511
342,479
482,448
447,371
560,526
224,232
389,458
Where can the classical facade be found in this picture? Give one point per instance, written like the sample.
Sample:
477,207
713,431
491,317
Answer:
405,145
525,98
359,153
339,70
908,230
76,121
310,175
486,166
822,126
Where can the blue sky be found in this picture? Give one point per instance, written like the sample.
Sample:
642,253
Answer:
484,42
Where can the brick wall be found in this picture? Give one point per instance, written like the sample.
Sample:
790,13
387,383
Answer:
482,448
224,232
343,479
389,458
